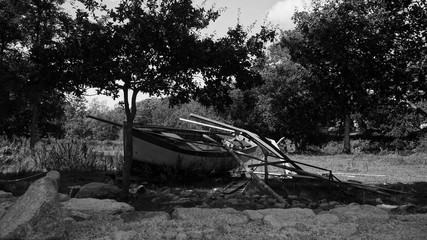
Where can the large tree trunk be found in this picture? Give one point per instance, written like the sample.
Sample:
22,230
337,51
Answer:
128,155
34,129
130,110
347,147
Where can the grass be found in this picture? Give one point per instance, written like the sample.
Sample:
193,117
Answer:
16,157
68,156
371,168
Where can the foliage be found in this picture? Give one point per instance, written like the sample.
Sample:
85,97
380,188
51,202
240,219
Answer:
33,67
77,125
297,114
61,155
360,51
156,47
158,111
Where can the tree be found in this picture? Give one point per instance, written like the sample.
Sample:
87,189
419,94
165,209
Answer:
158,111
32,55
155,47
356,50
296,114
284,105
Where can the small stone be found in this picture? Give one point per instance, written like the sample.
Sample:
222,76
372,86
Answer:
228,196
187,193
386,207
313,205
292,197
4,194
379,201
281,205
78,216
175,198
332,204
407,208
305,195
299,205
55,176
422,209
232,201
259,206
63,197
323,201
107,206
99,190
324,206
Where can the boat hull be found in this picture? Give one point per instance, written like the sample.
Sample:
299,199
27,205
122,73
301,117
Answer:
154,150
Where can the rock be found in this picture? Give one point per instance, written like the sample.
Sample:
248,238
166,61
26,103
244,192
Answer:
55,176
78,216
404,209
4,205
210,217
332,204
35,215
359,212
279,218
73,190
141,216
422,209
107,206
292,197
299,205
99,190
325,206
281,205
125,235
325,218
185,194
63,197
4,194
313,205
253,215
386,207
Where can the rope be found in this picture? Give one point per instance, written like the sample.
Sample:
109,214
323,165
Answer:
22,179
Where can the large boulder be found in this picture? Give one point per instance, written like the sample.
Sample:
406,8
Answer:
99,190
93,205
35,215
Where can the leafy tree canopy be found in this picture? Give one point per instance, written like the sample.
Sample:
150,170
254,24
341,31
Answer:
360,51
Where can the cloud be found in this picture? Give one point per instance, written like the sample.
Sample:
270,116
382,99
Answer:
281,12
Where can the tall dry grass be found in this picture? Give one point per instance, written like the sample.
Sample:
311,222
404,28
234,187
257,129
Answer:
58,154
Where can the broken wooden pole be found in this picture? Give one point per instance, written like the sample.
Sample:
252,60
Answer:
265,167
260,183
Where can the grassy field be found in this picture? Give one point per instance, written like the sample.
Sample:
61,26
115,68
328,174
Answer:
370,168
65,155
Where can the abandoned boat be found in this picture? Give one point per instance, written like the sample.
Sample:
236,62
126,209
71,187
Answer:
189,149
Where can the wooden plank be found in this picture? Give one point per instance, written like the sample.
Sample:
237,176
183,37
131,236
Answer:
260,183
233,187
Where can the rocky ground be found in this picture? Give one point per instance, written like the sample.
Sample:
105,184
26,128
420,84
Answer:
89,212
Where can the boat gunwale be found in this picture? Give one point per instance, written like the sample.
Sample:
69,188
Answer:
157,140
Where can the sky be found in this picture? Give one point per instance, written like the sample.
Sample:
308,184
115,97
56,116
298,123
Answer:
246,12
